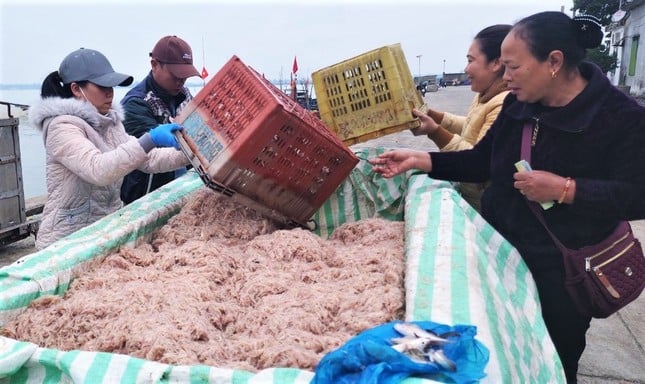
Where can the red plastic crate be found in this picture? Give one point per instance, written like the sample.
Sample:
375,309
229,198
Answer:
244,135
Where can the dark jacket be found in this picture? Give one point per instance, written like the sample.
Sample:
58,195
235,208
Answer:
598,139
147,105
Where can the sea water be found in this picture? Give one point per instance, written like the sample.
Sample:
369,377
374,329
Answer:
32,148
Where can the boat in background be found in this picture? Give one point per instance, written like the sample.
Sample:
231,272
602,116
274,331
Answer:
303,97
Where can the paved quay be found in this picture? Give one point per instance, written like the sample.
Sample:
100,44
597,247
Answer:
615,353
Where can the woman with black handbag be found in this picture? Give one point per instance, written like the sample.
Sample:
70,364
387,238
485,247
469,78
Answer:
587,145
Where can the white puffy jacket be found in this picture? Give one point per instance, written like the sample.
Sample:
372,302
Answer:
88,154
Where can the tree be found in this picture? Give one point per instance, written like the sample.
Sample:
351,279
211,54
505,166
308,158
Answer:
602,9
601,57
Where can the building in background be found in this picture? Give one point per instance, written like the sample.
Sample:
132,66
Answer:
626,39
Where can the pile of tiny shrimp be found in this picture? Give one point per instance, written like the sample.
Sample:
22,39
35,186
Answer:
221,285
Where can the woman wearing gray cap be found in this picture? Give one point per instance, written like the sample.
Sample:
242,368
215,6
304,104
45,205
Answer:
88,150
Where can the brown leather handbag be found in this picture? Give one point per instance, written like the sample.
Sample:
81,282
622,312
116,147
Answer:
600,278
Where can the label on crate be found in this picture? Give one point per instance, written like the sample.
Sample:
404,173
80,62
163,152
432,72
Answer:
209,146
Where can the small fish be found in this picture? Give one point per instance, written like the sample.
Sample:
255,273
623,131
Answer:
422,346
419,344
420,350
418,357
401,340
437,356
413,330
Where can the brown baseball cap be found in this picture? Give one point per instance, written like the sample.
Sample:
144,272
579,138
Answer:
177,55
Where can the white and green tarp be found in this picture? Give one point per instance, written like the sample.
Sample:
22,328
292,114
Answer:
459,271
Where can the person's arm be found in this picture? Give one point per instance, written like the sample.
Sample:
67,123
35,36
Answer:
453,123
165,160
471,165
435,115
69,145
431,128
441,136
394,162
159,159
440,127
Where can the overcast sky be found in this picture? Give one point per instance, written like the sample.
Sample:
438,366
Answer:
36,35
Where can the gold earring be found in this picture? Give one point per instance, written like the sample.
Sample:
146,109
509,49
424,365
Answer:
554,74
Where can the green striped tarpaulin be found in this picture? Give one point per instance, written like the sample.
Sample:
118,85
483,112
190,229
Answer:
459,270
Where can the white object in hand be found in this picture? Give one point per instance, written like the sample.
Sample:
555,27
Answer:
524,165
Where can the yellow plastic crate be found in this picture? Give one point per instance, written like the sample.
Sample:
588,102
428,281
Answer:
368,96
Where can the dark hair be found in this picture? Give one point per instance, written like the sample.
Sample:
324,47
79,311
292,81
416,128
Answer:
490,40
548,31
53,86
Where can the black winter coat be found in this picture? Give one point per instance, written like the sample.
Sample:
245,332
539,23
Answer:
147,105
598,139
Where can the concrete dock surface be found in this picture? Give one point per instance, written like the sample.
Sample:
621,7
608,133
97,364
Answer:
615,350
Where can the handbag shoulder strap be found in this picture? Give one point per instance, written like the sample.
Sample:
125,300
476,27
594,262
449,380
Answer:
526,155
535,208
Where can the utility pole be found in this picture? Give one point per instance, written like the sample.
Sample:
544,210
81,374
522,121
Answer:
419,57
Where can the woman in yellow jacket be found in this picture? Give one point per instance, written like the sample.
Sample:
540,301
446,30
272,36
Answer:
455,133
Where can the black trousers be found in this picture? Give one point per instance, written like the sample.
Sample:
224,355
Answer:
566,326
135,184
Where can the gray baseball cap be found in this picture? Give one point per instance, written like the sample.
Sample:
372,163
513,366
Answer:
90,65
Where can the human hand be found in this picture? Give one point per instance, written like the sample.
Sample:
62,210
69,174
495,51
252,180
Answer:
539,186
392,163
428,125
163,135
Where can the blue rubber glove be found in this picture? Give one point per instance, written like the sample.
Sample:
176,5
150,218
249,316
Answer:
163,135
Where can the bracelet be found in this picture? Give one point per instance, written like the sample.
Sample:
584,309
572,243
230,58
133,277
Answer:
564,192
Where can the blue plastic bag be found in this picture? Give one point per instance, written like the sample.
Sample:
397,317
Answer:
369,358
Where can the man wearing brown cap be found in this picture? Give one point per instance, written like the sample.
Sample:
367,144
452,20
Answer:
156,100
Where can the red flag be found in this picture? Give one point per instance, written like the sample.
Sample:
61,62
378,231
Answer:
204,73
292,87
295,65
